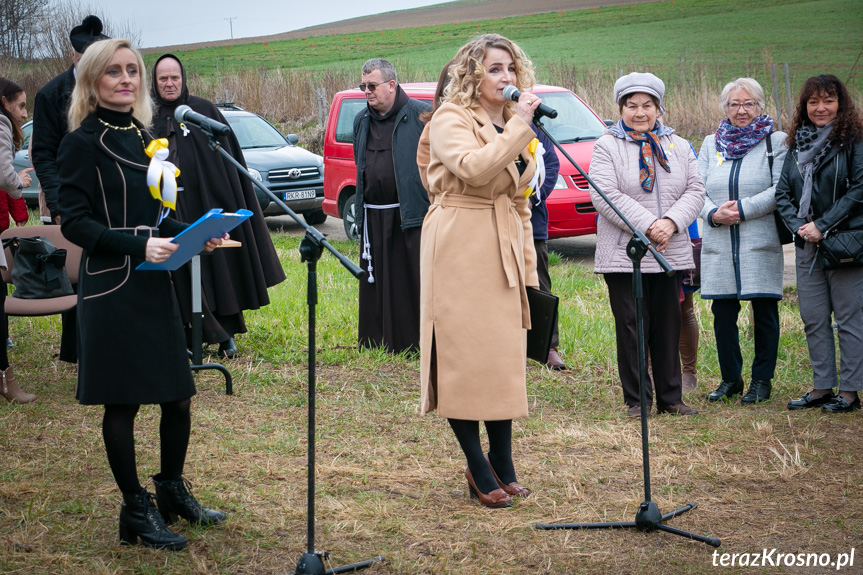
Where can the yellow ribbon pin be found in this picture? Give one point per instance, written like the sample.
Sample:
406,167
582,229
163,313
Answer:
539,175
720,159
162,174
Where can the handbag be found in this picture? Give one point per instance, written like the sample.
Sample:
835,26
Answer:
841,249
692,278
38,268
543,318
785,235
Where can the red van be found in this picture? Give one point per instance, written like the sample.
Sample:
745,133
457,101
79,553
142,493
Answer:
577,127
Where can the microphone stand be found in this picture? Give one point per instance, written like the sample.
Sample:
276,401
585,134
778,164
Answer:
648,517
312,561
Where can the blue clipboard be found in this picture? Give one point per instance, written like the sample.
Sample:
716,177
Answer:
213,224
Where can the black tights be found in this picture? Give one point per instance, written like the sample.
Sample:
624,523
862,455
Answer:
118,432
499,453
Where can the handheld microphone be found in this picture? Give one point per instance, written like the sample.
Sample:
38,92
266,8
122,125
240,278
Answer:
512,93
186,114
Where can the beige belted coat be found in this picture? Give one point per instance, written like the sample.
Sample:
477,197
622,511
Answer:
476,257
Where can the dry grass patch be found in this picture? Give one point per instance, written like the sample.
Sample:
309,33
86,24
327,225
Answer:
390,482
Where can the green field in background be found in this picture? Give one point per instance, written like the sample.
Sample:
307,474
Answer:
723,37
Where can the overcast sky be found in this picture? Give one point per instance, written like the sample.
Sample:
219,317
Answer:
167,22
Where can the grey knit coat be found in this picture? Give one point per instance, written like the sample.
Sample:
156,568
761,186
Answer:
677,195
742,261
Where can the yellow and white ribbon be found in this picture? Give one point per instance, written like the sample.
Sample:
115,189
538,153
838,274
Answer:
162,174
537,150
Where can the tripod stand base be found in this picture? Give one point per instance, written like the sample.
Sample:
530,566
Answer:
313,564
229,387
648,518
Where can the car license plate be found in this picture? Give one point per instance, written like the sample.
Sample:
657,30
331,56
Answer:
299,195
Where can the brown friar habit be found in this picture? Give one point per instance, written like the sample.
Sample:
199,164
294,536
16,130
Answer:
233,279
389,307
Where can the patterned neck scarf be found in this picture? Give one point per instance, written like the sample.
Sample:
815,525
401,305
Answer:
734,143
649,142
812,147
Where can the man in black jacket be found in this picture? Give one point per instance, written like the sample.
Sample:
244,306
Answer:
391,204
49,114
49,127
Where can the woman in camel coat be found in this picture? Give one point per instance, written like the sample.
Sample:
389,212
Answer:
476,259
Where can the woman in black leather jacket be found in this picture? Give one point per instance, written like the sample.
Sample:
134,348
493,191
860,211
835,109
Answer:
821,190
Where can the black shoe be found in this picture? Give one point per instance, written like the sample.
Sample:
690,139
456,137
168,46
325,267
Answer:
228,348
174,499
807,401
841,405
726,389
759,390
140,519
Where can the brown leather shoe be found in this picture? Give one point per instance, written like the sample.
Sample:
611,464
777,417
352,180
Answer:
635,410
554,362
496,499
514,489
677,409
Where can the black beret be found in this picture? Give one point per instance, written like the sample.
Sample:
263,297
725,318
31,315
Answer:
88,32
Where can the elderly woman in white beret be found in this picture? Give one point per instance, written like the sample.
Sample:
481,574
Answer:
652,176
741,255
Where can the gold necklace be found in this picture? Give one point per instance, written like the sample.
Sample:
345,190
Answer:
131,126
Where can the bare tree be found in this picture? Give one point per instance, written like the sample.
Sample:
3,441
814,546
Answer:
34,37
19,21
63,15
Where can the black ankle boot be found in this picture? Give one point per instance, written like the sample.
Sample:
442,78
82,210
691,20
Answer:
759,390
173,498
139,518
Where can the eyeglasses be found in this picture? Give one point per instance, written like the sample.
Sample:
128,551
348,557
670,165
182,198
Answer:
748,106
371,87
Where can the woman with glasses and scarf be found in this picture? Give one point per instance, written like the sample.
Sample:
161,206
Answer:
741,255
651,175
821,190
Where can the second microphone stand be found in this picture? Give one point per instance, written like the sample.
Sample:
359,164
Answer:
648,517
311,248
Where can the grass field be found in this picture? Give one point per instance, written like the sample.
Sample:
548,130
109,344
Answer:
728,38
390,481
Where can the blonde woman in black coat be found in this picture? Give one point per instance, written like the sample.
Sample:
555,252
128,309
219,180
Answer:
107,209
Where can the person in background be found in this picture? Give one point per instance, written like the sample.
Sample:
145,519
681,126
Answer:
741,255
539,223
661,198
689,333
13,112
108,209
820,190
50,125
391,204
477,260
232,279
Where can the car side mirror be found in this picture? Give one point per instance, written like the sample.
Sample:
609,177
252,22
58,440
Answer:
292,139
609,123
